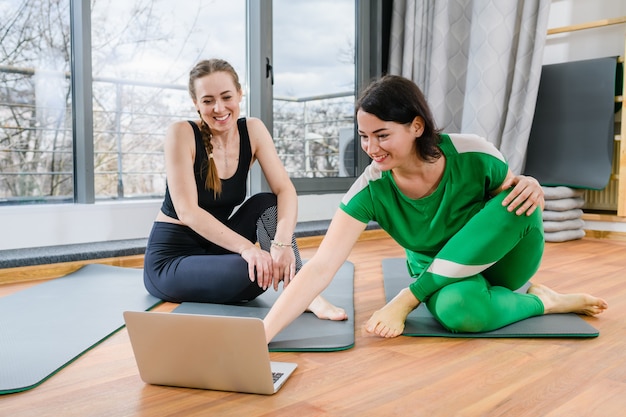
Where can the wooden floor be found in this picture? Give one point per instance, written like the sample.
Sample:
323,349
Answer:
399,377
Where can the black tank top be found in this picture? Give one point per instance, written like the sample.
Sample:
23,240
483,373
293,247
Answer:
233,189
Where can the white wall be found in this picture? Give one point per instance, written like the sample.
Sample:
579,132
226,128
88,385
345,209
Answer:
61,224
588,43
45,225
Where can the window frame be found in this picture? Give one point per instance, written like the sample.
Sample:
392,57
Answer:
82,102
368,66
260,95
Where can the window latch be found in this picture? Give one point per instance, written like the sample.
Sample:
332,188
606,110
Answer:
269,70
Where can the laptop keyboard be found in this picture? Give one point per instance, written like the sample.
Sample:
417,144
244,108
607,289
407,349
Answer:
276,375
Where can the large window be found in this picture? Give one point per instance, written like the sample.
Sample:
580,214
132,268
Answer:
139,55
142,52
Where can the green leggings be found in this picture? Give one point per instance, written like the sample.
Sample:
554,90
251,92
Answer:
469,285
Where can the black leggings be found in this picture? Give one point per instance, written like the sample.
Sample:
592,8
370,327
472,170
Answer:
180,265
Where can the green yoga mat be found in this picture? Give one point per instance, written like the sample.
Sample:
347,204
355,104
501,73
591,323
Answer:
305,334
421,323
45,327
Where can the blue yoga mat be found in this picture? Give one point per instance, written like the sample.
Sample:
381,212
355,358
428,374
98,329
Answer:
45,327
305,334
421,323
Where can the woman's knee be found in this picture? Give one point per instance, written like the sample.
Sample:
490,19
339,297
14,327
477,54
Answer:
457,311
509,220
262,201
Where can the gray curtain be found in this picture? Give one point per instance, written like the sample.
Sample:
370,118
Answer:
477,61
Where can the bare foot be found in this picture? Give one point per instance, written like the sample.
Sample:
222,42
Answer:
325,310
554,302
389,320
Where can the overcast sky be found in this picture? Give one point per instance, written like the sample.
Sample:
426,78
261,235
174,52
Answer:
313,46
313,41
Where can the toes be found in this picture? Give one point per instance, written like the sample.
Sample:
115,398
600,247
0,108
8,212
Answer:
370,327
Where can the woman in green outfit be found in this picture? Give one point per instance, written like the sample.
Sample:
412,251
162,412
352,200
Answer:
471,229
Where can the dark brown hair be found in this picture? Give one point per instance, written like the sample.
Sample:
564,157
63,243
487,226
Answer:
397,99
202,69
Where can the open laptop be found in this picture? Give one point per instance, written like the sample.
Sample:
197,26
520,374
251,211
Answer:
201,351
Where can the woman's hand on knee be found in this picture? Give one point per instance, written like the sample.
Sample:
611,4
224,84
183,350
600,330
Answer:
260,266
526,195
284,265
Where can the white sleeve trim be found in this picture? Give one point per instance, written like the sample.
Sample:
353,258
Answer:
371,173
474,143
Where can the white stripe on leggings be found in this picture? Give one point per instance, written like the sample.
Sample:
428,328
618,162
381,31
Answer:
451,269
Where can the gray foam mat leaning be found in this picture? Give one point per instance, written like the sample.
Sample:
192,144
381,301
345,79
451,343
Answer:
45,327
305,334
421,323
572,136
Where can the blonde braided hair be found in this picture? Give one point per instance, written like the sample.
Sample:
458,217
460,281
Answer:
212,181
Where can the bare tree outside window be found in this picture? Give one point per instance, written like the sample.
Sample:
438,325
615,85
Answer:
35,108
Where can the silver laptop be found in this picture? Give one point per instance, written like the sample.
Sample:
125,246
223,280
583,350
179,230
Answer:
201,351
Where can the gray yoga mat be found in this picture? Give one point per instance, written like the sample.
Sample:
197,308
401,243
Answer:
572,135
305,334
421,323
45,327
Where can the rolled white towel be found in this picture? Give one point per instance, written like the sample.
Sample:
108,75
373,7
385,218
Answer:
559,192
564,235
564,225
556,216
565,204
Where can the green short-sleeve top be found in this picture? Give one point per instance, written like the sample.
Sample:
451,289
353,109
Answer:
474,168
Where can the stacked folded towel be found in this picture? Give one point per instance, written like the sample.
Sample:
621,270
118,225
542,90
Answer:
562,216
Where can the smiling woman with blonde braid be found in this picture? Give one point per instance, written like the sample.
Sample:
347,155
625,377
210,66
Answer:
200,248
